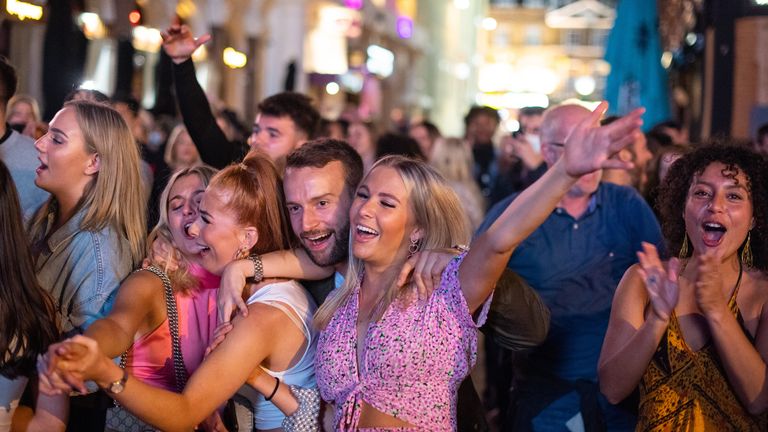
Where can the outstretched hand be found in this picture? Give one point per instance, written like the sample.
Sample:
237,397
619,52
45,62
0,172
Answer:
179,43
590,146
661,283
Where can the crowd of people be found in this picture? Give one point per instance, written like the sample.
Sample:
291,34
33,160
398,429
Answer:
180,274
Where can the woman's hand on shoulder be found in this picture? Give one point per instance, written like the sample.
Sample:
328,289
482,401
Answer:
661,282
426,270
230,295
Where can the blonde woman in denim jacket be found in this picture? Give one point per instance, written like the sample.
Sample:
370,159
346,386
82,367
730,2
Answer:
90,234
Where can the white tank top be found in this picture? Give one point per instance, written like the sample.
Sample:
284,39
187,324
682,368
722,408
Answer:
284,295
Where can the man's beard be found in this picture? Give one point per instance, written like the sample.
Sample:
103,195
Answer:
338,250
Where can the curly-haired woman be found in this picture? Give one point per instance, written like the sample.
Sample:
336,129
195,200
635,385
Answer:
693,332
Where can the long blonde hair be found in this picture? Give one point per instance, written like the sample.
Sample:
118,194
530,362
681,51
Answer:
114,198
437,212
182,280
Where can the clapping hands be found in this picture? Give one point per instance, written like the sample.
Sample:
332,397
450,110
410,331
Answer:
661,283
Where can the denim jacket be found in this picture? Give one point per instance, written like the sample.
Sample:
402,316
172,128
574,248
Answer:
82,271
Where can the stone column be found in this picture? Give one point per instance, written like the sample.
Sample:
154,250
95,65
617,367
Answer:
286,23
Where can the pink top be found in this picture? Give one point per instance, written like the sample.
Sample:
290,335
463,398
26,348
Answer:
413,361
150,357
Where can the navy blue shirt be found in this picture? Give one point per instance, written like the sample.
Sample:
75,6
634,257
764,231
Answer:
575,266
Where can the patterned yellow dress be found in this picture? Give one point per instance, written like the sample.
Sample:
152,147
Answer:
684,390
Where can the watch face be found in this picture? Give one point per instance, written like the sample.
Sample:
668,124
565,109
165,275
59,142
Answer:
117,387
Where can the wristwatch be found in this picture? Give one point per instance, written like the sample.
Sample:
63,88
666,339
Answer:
117,387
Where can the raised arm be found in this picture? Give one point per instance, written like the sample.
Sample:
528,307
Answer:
140,303
587,149
634,330
214,147
291,264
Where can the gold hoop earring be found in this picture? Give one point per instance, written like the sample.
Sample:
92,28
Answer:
242,253
746,252
684,248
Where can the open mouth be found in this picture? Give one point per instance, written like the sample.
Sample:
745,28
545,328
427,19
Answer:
316,240
713,233
186,231
203,250
365,233
41,168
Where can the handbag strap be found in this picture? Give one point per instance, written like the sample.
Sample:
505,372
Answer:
173,324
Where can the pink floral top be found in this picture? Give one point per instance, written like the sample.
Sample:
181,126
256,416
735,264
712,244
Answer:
413,361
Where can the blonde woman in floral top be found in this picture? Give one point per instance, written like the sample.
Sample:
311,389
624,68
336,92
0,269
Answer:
387,360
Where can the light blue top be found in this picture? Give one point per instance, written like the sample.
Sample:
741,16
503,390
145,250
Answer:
19,155
82,271
10,393
294,300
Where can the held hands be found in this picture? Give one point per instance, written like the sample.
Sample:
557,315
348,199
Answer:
590,146
67,365
179,43
426,268
660,283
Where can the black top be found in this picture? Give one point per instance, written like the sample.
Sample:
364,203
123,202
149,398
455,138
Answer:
214,147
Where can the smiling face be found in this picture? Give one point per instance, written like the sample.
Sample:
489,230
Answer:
318,204
275,136
382,220
718,210
183,202
220,239
66,167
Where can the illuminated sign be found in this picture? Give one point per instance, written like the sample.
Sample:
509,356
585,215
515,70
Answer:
404,27
353,4
24,10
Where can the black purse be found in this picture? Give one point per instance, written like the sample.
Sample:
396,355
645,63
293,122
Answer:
118,418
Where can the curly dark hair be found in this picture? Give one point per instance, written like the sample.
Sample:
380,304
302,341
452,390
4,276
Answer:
674,192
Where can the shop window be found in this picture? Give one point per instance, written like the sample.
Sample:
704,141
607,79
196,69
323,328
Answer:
571,38
599,37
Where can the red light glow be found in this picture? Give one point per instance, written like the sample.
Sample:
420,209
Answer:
134,17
